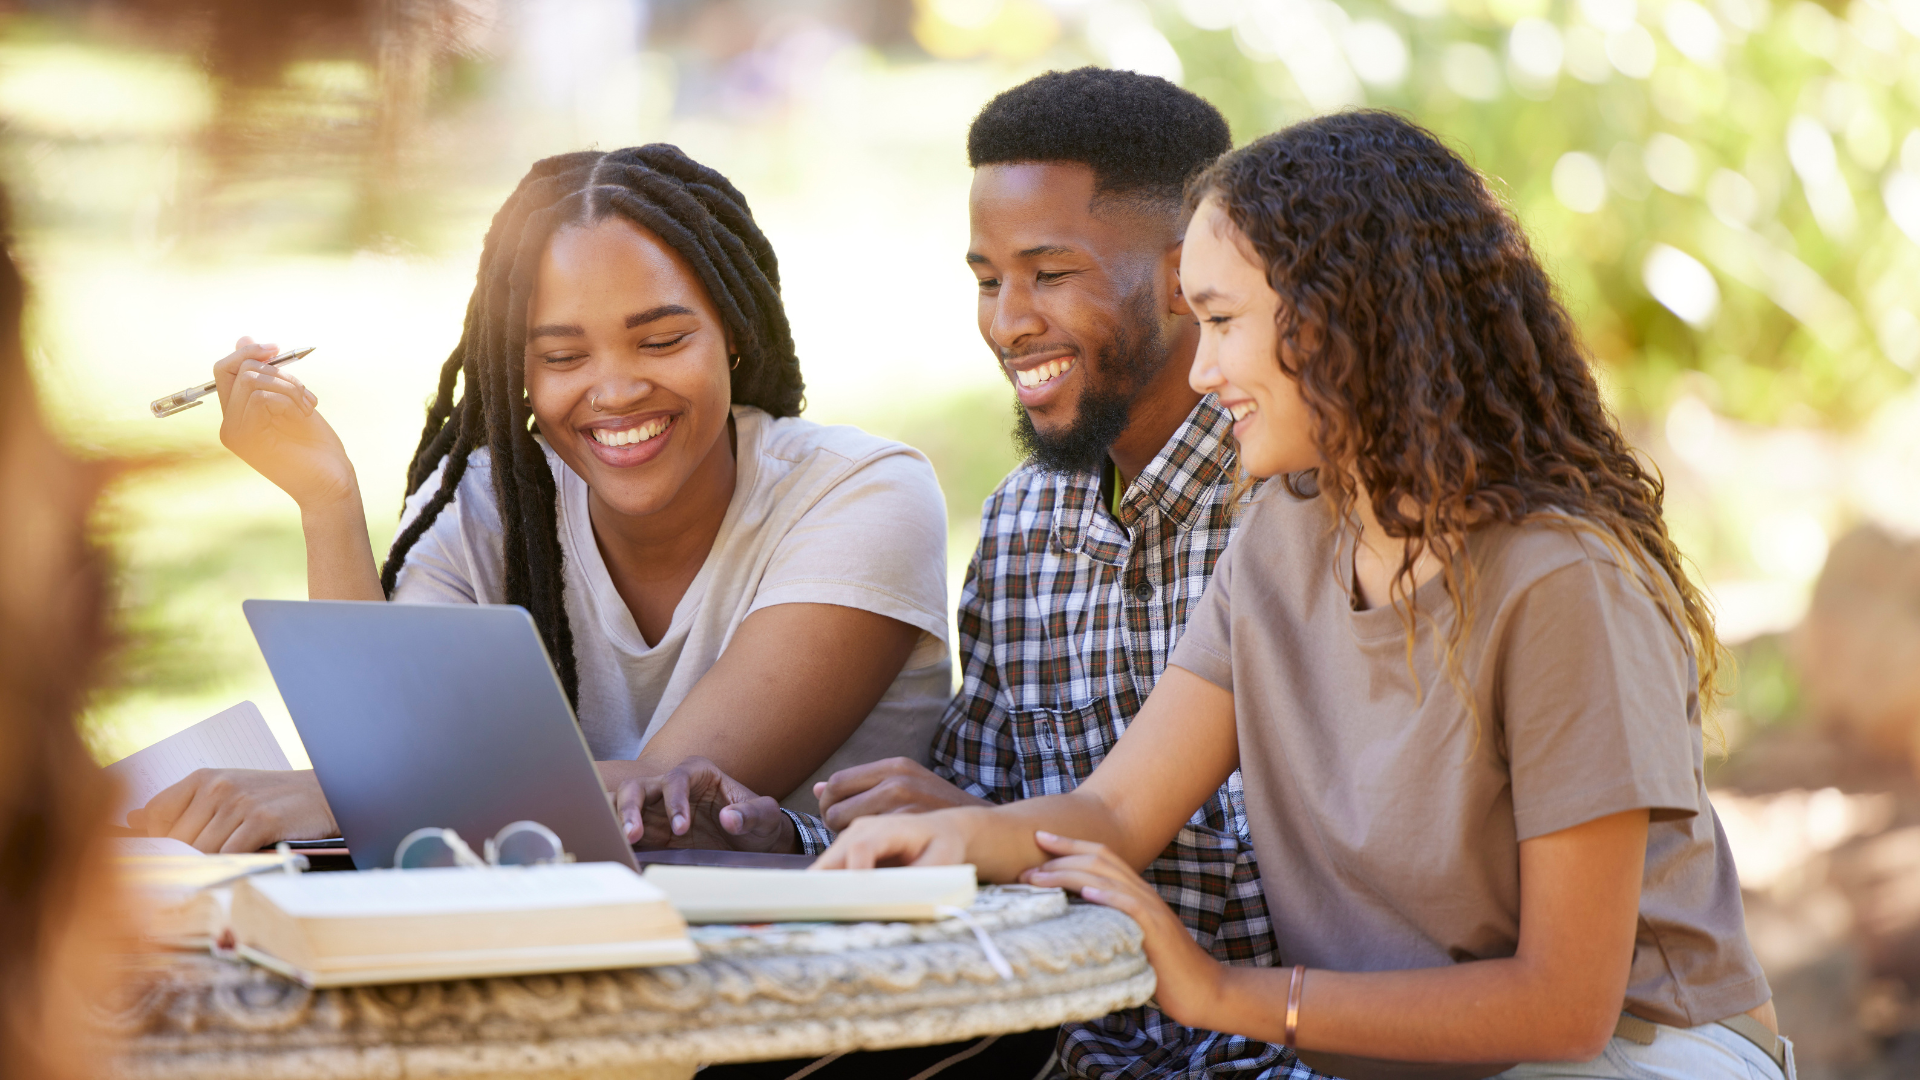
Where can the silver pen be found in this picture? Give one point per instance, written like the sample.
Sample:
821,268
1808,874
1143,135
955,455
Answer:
188,398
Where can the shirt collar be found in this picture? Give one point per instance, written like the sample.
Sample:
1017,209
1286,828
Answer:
1175,483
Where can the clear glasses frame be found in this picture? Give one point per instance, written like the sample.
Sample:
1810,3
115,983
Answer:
521,843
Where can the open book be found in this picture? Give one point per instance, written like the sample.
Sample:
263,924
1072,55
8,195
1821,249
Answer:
235,739
383,926
725,894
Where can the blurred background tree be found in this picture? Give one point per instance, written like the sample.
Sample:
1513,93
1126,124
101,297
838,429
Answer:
1729,195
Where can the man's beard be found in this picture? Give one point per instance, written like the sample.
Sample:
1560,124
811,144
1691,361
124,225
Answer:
1126,367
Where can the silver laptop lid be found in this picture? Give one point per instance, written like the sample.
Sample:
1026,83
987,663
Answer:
434,714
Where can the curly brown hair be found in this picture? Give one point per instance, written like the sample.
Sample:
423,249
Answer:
1438,364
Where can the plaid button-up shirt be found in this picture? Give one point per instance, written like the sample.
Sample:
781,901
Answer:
1066,620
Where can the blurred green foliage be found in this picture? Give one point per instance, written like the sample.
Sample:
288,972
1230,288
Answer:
1772,146
1766,690
1728,191
969,438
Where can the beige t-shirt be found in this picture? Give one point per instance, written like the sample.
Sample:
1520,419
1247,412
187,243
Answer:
1388,829
820,515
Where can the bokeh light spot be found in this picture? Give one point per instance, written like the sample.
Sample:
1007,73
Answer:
1128,37
1695,32
1511,12
1376,52
1682,284
1471,71
1535,50
1902,195
1587,55
1579,182
1899,333
1671,163
1732,198
1748,15
1208,14
1611,16
1813,28
1810,150
1632,51
1789,545
1627,171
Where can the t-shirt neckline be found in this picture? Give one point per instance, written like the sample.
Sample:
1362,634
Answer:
615,618
1386,621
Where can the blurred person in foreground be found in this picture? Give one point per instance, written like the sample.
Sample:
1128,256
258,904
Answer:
58,919
1451,650
714,577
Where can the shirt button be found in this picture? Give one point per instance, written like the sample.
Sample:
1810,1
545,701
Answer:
1143,592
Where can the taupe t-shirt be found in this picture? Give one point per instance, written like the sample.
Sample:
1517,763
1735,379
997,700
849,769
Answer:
1387,830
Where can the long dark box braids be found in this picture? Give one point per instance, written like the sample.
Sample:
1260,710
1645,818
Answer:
695,211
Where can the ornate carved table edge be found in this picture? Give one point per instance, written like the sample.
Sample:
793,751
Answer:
201,1018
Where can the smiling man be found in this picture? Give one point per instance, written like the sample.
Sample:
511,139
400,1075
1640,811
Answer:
1094,551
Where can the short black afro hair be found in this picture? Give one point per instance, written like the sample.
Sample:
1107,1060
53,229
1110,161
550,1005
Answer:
1143,136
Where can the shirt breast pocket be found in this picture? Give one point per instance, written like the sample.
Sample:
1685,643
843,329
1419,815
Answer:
1059,748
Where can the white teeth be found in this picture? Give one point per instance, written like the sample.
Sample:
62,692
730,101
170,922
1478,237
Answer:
1242,411
629,436
1044,373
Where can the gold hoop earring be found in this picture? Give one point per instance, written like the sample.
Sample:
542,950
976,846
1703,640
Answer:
736,363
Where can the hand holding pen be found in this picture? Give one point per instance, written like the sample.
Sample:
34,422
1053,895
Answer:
190,397
271,421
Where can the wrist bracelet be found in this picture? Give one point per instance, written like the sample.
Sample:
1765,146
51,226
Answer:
1293,1003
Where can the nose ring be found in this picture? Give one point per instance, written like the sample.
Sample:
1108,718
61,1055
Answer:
594,401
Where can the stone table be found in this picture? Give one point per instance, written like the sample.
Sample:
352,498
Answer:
794,991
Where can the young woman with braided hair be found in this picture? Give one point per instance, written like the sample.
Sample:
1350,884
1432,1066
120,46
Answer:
737,600
1452,651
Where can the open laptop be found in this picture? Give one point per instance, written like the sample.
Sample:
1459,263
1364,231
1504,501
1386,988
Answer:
445,715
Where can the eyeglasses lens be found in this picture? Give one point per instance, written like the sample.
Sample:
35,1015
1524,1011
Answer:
426,852
526,847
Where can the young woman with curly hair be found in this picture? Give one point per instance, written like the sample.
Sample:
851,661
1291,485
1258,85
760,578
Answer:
1452,650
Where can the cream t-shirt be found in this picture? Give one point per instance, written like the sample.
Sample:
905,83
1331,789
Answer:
820,515
1388,821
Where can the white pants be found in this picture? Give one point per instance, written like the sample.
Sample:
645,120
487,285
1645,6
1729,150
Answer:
1707,1052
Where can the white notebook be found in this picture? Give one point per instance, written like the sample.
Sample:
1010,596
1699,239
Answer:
728,894
235,739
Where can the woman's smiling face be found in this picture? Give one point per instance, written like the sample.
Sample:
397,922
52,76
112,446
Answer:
1238,358
626,363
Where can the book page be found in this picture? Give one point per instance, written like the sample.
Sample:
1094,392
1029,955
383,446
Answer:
152,846
719,894
235,739
454,890
190,872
